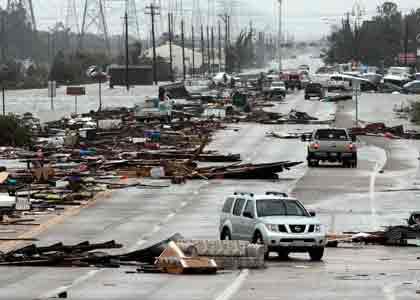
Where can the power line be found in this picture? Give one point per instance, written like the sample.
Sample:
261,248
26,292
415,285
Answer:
94,16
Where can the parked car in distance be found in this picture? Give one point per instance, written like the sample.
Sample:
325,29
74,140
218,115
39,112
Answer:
412,87
314,90
274,219
332,145
277,88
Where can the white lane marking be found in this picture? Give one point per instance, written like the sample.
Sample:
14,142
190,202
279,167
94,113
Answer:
232,289
169,217
389,292
372,195
55,292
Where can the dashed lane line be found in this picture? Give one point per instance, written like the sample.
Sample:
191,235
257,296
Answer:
234,287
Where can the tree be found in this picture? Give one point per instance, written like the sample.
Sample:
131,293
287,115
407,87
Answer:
135,51
13,133
375,42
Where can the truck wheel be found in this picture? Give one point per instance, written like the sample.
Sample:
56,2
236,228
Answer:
306,98
258,239
316,254
310,164
225,236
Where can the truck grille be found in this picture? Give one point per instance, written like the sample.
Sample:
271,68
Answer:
297,228
297,240
282,228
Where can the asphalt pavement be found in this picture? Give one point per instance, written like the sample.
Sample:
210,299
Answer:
346,199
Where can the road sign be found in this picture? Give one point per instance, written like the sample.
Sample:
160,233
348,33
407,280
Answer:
76,91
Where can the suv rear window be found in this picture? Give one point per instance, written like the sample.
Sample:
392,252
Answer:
331,134
227,207
237,209
314,87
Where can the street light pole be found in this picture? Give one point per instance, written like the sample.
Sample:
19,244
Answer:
280,36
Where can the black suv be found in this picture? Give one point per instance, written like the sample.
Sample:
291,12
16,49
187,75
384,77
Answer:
314,90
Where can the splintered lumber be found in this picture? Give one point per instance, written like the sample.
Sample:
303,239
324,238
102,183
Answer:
174,261
245,171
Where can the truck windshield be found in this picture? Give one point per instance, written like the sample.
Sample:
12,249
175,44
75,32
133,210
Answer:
331,134
276,207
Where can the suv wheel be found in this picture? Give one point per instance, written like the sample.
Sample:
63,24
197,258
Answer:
316,254
225,236
258,239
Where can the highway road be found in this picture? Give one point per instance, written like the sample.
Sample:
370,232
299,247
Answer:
345,199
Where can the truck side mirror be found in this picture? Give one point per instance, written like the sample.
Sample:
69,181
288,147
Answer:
312,213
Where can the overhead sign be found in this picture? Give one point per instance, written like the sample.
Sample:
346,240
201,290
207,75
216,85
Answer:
76,91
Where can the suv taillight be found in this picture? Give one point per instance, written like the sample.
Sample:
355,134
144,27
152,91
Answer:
315,146
351,147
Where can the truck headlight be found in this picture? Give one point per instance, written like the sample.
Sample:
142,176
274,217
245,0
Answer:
318,228
272,227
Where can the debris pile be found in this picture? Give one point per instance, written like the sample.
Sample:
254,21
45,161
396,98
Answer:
174,255
381,130
400,235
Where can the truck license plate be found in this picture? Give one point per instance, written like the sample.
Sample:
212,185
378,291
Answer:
298,243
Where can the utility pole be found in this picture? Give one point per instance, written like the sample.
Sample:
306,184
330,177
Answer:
220,45
3,36
193,51
203,61
226,20
212,48
153,11
126,52
280,36
406,43
184,69
208,50
170,29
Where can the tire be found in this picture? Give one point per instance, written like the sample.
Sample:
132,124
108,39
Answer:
310,164
316,254
225,235
307,98
258,239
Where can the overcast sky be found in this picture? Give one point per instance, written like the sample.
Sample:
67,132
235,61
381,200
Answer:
303,18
